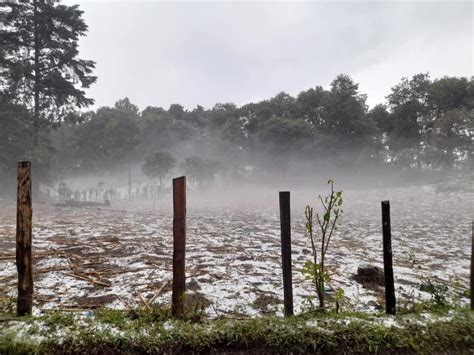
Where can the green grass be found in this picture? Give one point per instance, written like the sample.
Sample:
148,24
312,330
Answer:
444,330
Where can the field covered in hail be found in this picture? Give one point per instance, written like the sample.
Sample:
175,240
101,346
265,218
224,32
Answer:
89,258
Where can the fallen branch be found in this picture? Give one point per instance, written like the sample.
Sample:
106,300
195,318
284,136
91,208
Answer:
160,290
144,301
7,257
127,306
86,278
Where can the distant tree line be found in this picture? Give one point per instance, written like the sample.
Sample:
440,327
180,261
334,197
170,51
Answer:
426,125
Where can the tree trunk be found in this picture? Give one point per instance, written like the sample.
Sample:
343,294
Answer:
321,297
321,283
36,121
36,89
129,183
35,187
161,186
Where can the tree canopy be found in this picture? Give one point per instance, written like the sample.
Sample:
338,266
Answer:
40,67
158,165
40,72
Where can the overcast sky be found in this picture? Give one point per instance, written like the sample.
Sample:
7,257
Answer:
159,53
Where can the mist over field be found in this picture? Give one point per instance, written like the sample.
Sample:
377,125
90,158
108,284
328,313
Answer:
423,135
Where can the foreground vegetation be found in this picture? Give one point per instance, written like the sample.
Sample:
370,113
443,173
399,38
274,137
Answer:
424,331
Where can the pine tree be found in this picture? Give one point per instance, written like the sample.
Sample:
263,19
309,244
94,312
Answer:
39,67
40,70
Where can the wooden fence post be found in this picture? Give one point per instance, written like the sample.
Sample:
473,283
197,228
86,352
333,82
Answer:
285,227
387,259
179,245
472,266
24,214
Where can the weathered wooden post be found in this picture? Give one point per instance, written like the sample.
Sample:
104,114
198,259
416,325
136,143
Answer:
24,216
387,259
179,245
285,228
472,265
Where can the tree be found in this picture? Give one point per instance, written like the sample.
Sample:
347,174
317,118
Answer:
283,105
158,165
200,171
346,121
39,64
450,93
452,138
283,135
14,134
156,130
40,70
199,117
126,106
106,138
225,122
14,141
430,122
312,106
409,107
161,129
64,191
177,111
315,269
380,115
119,136
255,115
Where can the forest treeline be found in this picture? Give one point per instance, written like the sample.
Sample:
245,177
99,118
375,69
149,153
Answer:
425,124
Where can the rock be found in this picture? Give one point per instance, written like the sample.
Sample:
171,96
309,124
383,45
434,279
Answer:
368,274
193,285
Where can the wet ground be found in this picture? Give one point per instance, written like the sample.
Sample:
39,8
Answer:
88,258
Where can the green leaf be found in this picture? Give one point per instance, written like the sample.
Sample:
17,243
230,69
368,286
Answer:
326,216
339,294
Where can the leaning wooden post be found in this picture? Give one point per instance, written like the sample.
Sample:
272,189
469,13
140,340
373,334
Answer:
179,245
24,214
387,259
472,266
285,227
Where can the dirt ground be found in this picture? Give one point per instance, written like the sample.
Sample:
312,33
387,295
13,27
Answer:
121,257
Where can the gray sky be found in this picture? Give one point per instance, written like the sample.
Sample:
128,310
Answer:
158,53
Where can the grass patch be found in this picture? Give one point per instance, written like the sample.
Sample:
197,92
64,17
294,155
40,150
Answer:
446,330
